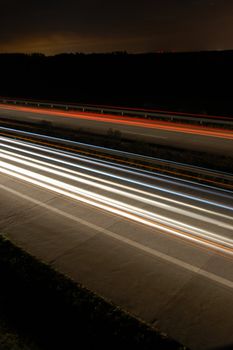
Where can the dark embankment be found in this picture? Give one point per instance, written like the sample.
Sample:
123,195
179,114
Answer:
56,313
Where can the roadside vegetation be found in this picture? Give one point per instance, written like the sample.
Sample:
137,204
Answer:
10,339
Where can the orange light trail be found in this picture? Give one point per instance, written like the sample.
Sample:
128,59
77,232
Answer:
130,121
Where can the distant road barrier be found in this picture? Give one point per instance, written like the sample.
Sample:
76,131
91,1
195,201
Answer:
197,119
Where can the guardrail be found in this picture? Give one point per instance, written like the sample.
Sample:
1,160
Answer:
204,120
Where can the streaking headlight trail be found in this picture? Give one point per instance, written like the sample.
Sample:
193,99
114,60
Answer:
189,211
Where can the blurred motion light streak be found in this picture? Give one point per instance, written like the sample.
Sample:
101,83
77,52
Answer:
77,184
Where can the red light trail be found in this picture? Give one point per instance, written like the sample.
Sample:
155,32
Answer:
131,121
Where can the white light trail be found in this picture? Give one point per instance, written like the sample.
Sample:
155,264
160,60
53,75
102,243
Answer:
93,181
125,179
129,170
167,225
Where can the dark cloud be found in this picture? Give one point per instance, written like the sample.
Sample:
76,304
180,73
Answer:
104,25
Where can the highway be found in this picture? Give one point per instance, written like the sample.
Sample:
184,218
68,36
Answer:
185,136
158,246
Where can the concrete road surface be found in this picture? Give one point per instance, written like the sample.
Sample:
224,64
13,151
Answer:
159,247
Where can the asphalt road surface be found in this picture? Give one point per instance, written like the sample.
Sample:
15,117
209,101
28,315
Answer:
203,139
159,247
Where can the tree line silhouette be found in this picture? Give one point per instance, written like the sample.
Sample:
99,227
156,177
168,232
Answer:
196,82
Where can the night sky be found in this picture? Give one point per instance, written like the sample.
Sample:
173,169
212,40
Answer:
54,26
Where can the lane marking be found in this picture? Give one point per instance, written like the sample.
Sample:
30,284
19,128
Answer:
148,135
129,242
